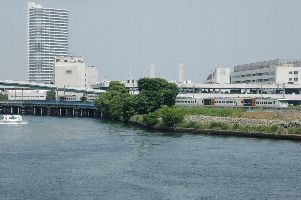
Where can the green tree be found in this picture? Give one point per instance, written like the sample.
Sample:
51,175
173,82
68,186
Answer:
111,103
171,116
3,97
158,92
50,95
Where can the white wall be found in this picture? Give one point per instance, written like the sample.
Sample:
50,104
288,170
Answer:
288,75
73,72
26,95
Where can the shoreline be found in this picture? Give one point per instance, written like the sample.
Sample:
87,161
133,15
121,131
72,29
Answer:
213,132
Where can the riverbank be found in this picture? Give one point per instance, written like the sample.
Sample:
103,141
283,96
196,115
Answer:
224,122
220,132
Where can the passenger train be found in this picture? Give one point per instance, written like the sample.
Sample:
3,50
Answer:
232,102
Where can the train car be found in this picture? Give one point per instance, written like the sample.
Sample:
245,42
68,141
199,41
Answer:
189,101
271,103
233,102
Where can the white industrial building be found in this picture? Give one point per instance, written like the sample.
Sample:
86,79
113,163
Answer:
71,71
219,76
25,95
268,72
47,37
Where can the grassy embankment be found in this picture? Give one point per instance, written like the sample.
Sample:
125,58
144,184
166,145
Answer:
179,117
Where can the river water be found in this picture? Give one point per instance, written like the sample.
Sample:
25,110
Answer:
73,158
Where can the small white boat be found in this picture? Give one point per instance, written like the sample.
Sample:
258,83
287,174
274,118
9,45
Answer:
11,119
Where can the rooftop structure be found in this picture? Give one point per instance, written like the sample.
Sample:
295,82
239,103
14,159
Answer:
268,72
71,71
219,76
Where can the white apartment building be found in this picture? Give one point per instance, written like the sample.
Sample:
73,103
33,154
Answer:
71,71
219,76
25,95
268,72
47,37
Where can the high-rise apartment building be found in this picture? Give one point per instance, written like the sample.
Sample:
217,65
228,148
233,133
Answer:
47,37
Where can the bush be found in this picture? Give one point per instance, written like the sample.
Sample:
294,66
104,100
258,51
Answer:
218,125
274,128
150,119
171,116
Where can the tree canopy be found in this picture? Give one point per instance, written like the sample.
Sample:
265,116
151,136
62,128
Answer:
118,104
111,102
50,95
3,97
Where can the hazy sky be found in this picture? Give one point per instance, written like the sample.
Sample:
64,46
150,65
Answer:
202,34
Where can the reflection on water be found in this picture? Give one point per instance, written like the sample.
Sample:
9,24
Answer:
73,158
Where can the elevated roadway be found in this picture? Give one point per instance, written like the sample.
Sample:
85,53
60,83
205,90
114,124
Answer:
42,86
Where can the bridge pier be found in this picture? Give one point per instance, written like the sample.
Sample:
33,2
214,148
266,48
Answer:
81,112
41,111
60,112
34,111
11,110
73,112
66,112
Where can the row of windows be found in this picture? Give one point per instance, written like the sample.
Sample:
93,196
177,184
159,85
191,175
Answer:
18,96
182,101
291,79
265,102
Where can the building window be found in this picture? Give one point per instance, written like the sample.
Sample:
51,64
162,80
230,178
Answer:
295,72
68,71
295,79
290,72
290,79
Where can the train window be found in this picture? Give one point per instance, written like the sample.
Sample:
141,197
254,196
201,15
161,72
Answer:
202,101
185,101
273,102
269,102
242,102
265,102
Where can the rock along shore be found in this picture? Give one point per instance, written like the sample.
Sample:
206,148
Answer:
241,121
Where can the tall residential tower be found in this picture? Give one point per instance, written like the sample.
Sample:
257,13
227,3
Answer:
47,37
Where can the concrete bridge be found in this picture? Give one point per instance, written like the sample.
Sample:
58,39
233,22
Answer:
50,108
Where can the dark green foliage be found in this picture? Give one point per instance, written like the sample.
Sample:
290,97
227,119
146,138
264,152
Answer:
111,103
171,116
3,97
118,104
150,119
50,95
158,92
128,108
